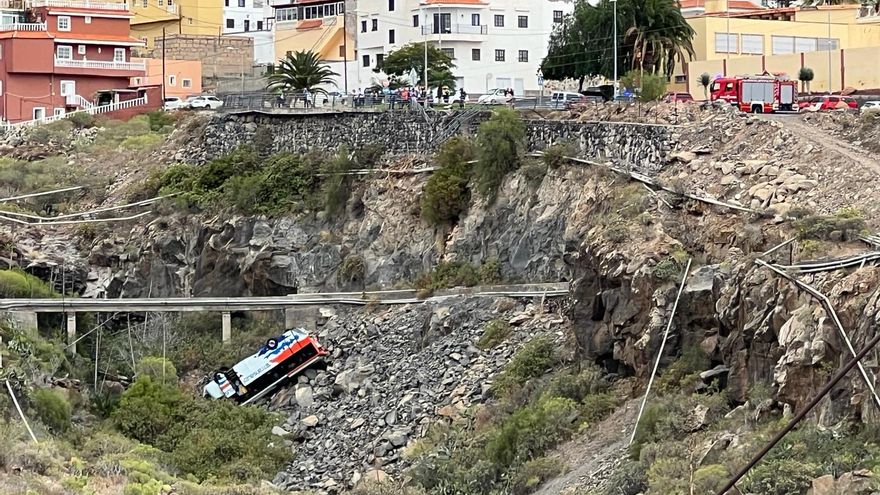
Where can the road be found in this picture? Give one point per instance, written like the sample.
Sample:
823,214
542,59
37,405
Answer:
182,304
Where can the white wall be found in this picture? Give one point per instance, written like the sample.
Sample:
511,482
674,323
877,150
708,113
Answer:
252,20
477,76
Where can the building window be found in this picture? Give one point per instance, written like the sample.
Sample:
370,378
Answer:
450,52
88,19
288,14
499,55
363,26
680,79
753,44
145,3
187,83
442,23
64,52
119,55
380,58
259,25
475,19
161,3
39,113
726,42
366,60
375,24
523,21
475,54
247,25
58,112
230,23
1,87
523,56
241,3
415,21
172,80
391,36
557,16
341,51
390,5
499,20
81,49
63,23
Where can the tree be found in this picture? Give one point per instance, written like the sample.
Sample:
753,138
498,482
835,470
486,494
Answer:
705,80
650,86
805,75
501,141
652,36
301,71
399,63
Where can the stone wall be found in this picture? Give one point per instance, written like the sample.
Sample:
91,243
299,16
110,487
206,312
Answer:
641,146
220,55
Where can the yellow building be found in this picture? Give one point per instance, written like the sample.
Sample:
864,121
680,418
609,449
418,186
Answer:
314,25
841,41
192,17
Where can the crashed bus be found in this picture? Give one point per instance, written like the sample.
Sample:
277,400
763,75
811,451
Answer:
257,375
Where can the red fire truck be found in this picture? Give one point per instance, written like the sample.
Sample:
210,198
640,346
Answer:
757,94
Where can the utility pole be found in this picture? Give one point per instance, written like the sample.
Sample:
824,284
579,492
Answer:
163,64
241,69
345,46
830,86
727,34
615,49
425,31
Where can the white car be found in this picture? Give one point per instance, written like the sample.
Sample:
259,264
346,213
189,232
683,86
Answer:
494,97
173,103
211,102
871,107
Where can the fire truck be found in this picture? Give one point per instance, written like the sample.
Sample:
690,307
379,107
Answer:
757,94
255,376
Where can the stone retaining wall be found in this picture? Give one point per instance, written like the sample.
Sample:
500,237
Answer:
642,146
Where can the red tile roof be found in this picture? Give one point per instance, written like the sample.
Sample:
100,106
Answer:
98,37
89,10
310,24
33,35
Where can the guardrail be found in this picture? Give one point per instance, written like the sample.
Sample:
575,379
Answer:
79,4
23,26
454,29
99,64
94,110
300,101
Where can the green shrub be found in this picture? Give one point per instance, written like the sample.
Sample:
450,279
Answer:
554,156
684,371
16,284
159,369
161,121
846,224
352,268
783,476
533,172
490,272
628,479
148,410
710,479
446,195
532,361
112,133
494,333
52,409
532,430
535,472
501,141
81,120
667,270
142,142
650,86
337,185
56,132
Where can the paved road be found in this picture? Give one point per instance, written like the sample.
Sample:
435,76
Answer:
174,304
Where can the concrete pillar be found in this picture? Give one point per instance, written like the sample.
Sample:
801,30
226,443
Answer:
71,332
24,320
227,326
301,317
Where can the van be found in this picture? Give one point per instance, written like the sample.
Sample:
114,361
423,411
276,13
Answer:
559,99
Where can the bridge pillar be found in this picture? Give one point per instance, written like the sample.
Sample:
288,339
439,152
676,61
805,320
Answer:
71,332
25,320
301,317
227,326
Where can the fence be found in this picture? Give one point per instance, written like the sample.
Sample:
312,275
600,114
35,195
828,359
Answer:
94,110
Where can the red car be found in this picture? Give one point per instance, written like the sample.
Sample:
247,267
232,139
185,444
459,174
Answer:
677,97
828,102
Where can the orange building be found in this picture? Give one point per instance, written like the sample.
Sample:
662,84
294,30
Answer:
182,77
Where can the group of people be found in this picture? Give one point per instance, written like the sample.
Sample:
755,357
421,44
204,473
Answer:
406,95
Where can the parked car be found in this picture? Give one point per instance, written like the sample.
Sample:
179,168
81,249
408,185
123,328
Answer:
560,99
871,107
827,102
204,101
582,100
673,97
494,97
173,103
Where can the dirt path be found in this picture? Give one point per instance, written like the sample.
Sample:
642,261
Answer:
833,144
593,456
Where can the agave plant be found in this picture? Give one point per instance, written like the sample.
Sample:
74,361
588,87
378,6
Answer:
301,71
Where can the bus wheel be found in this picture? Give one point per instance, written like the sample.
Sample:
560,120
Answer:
218,376
271,344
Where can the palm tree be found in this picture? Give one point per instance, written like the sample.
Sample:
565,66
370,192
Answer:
805,75
659,37
705,80
301,71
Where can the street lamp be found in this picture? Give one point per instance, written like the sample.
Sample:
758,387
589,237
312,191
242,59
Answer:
614,62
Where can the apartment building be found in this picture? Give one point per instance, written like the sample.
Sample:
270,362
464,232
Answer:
253,19
493,43
185,17
65,55
319,26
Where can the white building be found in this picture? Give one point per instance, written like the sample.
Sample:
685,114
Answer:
494,43
254,19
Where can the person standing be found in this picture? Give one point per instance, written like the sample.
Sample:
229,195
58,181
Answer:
461,97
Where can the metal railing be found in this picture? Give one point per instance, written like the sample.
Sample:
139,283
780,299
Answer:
78,101
23,26
79,4
99,64
94,110
301,101
869,12
454,29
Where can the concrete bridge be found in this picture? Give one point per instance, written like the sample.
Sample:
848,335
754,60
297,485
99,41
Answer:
299,309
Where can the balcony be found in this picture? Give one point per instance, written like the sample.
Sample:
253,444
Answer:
454,29
23,26
869,13
100,65
79,4
12,4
